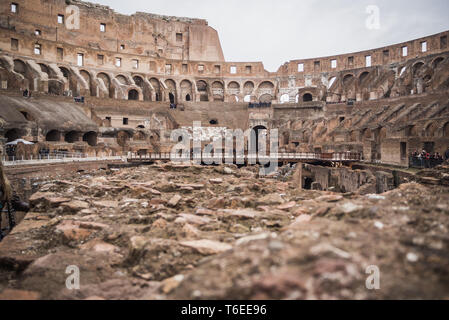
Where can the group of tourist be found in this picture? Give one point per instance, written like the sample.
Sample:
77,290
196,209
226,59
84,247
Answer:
425,159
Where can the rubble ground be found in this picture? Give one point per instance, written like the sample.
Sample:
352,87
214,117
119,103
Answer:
169,231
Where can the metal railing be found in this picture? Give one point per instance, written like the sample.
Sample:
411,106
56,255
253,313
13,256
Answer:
51,158
306,156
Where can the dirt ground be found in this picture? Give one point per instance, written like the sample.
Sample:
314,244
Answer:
188,232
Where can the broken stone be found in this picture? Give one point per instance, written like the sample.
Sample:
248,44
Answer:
207,247
174,201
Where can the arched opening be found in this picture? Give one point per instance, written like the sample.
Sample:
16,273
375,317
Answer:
308,183
363,77
347,80
27,116
13,134
123,138
65,72
20,67
87,78
140,136
157,89
138,81
186,90
133,95
171,87
416,67
446,130
285,98
266,98
53,136
248,88
218,91
213,122
202,86
258,130
91,138
437,62
307,97
331,82
44,69
71,137
104,78
122,80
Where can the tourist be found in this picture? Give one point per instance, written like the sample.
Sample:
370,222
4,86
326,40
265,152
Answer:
446,155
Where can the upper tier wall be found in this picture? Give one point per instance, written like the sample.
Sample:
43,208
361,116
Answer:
141,33
396,53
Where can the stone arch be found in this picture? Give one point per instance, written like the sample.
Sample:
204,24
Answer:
157,89
45,69
53,136
436,62
363,76
91,138
265,98
248,87
331,82
218,90
411,131
13,134
138,80
139,135
133,94
416,67
171,89
186,90
307,97
122,80
201,85
347,79
446,130
107,83
284,98
72,136
217,85
86,75
234,98
430,129
234,85
20,67
202,89
266,85
122,138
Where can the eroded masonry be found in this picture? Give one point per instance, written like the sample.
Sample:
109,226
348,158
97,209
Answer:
80,80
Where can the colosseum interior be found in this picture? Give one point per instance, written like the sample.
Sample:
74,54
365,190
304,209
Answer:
112,88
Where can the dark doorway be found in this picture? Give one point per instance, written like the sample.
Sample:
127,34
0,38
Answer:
53,135
403,150
90,138
308,183
171,97
188,98
12,135
133,95
257,130
307,97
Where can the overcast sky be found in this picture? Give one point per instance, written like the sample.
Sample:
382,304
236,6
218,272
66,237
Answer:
276,31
